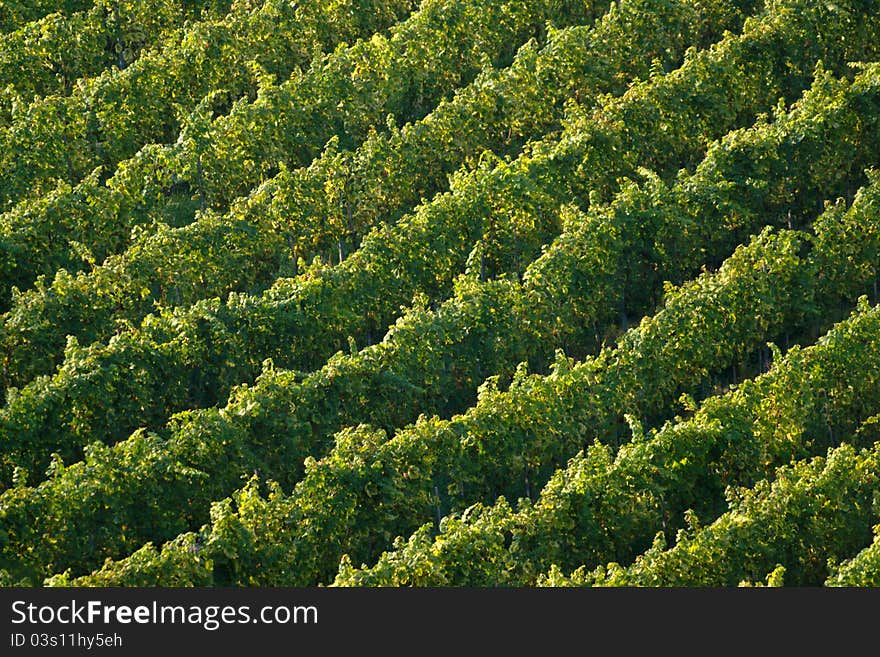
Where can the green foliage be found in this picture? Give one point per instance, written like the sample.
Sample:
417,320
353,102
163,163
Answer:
17,14
283,212
601,507
106,119
49,55
862,570
370,488
606,244
299,322
345,96
813,511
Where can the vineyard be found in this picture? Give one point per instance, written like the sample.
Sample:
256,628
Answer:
440,293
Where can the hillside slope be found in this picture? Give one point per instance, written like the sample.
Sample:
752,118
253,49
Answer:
450,293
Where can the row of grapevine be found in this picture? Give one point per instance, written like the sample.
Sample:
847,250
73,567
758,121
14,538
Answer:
370,488
312,315
109,117
432,361
343,193
345,94
16,14
496,239
604,506
351,92
49,55
811,512
494,545
176,266
864,568
139,193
